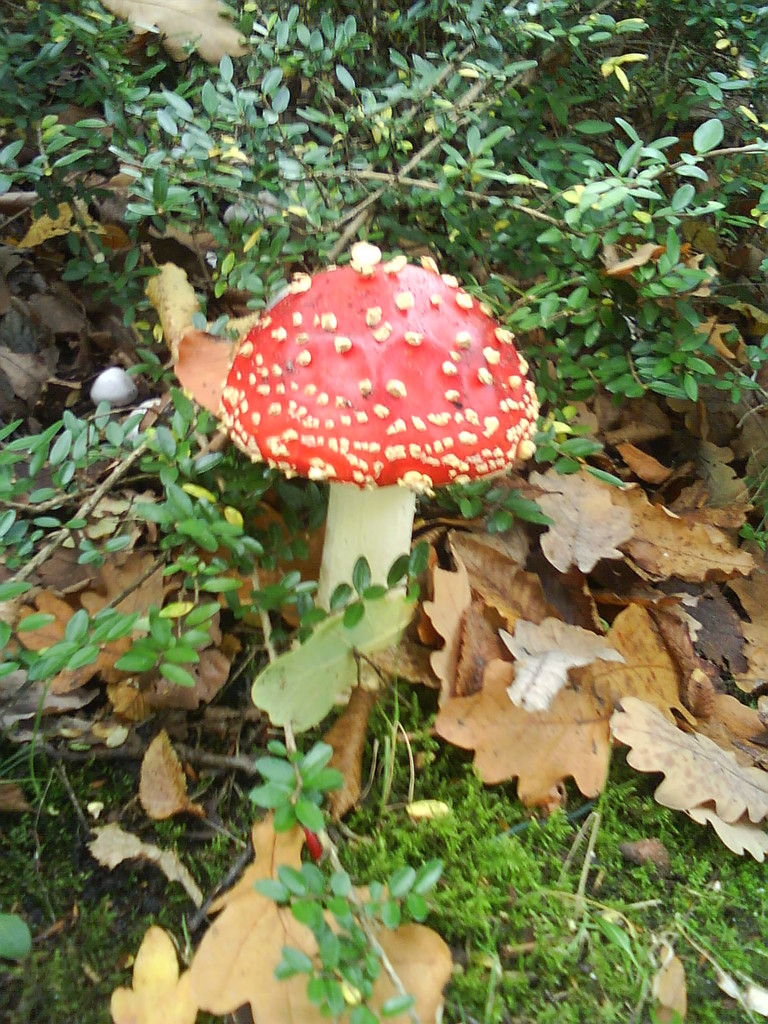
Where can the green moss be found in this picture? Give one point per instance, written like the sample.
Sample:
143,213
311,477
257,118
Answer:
523,950
95,918
522,947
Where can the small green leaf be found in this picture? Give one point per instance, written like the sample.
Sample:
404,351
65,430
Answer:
401,881
272,889
176,674
427,877
396,1005
708,135
309,815
15,937
345,78
35,621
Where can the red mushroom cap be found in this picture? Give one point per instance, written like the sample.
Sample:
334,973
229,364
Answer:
380,374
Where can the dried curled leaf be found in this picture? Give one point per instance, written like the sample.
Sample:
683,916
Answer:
162,786
452,597
544,655
113,845
697,770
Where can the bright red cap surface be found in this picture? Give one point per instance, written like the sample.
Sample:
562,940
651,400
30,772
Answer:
380,374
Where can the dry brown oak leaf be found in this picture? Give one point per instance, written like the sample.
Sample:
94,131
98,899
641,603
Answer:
162,786
587,526
664,544
648,671
541,748
697,771
180,22
544,655
752,593
158,994
234,964
452,597
739,836
347,736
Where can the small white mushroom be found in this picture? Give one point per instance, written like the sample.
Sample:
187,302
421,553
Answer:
115,386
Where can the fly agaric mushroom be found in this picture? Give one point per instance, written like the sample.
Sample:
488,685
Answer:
385,379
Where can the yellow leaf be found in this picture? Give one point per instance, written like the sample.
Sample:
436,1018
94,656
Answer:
176,609
252,240
196,491
427,809
64,223
573,195
158,995
233,516
622,78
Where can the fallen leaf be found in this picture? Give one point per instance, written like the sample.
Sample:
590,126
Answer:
235,962
587,525
736,727
202,366
490,560
113,845
12,798
158,995
541,748
173,299
720,639
724,486
751,593
64,223
739,836
347,736
751,997
669,988
643,465
480,643
210,674
697,771
162,786
180,22
21,700
647,670
646,253
545,653
663,544
496,575
303,685
452,597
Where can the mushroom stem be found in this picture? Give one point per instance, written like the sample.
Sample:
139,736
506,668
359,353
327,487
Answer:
375,524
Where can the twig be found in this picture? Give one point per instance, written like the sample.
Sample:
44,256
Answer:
434,186
61,771
363,921
58,538
229,879
266,625
469,97
134,752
